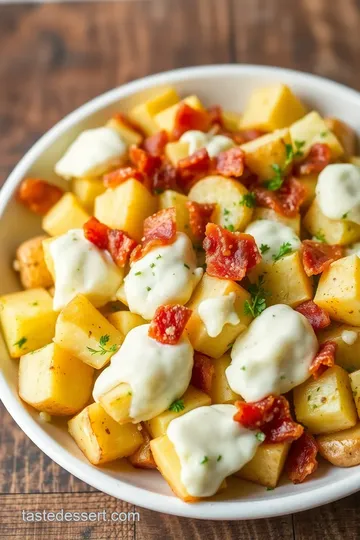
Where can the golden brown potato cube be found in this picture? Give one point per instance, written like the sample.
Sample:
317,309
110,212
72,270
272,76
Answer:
143,458
102,439
117,402
266,466
326,405
126,207
192,399
355,387
85,333
174,199
342,449
347,339
166,118
220,389
28,320
268,213
338,290
124,321
334,231
231,120
66,214
272,107
212,287
144,114
31,264
129,135
345,134
175,151
86,190
52,380
309,182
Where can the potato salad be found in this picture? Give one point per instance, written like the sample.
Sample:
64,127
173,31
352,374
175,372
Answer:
193,304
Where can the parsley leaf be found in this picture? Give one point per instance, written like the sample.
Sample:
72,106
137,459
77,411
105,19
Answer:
285,249
21,342
258,299
219,457
264,248
177,405
205,460
230,227
260,436
249,200
344,216
103,341
299,145
275,183
320,236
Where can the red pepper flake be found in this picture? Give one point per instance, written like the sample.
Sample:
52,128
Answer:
318,256
317,317
229,255
187,118
324,359
272,416
231,163
301,461
119,176
317,159
168,324
286,200
38,195
155,144
199,216
203,372
159,230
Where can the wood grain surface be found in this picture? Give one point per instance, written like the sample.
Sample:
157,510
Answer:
53,58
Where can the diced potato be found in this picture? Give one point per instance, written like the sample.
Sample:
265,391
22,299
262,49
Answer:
102,439
126,207
342,449
355,387
268,213
143,114
347,355
263,153
53,381
143,458
285,280
231,120
272,107
166,118
220,389
129,135
309,182
174,199
335,231
212,287
31,264
355,160
228,195
326,405
266,466
310,130
175,151
87,189
117,402
345,134
192,399
66,214
338,290
124,321
28,320
121,296
85,333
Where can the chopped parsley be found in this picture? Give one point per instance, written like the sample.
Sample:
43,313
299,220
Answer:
219,457
260,436
320,236
249,200
159,257
230,227
177,405
152,265
344,216
205,460
187,266
324,134
103,341
277,181
270,488
264,248
243,368
148,288
299,145
285,249
34,304
258,298
138,273
282,378
226,212
21,342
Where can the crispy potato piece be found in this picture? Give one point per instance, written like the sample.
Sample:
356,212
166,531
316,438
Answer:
87,189
220,389
342,449
117,402
143,458
124,321
144,114
335,231
31,263
66,214
177,200
355,387
175,151
166,118
266,466
129,135
347,354
344,133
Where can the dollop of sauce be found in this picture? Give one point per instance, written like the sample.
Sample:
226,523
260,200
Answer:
338,192
166,275
210,446
82,268
92,153
216,312
158,374
349,336
270,236
214,144
273,355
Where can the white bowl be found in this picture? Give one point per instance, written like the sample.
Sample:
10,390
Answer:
229,86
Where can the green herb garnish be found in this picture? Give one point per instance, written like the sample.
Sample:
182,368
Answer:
320,236
138,273
299,148
103,341
249,200
219,457
285,249
177,405
258,298
277,181
260,436
205,460
21,342
264,248
230,227
187,266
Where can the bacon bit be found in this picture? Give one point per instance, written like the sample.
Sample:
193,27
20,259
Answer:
38,196
216,116
119,176
317,317
190,168
202,373
159,230
97,233
143,161
231,163
318,158
229,255
317,256
121,117
286,200
272,416
199,217
324,359
301,461
168,324
188,118
165,177
155,144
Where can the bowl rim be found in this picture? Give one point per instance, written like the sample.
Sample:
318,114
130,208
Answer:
214,510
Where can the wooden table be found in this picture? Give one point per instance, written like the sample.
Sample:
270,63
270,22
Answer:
55,57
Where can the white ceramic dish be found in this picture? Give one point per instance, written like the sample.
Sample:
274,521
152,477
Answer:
228,86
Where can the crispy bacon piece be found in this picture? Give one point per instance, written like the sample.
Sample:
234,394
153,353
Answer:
301,461
203,372
216,116
272,416
231,163
318,158
317,256
324,359
165,177
143,161
317,317
168,324
159,230
192,167
155,144
117,177
229,255
96,232
188,118
37,195
199,217
286,200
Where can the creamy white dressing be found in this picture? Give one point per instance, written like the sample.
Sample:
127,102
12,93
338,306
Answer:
349,336
273,355
166,275
157,374
270,236
92,153
210,446
80,267
214,144
218,311
338,192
